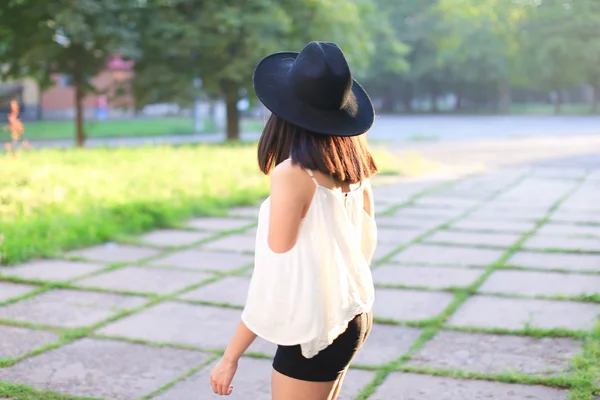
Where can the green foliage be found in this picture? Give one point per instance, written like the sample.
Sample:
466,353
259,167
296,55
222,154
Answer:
140,127
55,200
221,42
62,36
560,45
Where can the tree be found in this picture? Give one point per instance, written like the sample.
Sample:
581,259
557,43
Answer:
221,42
585,25
552,53
406,66
66,37
479,45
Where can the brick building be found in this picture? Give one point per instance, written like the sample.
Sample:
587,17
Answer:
58,102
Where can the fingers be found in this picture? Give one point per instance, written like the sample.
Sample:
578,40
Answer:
225,390
220,389
213,385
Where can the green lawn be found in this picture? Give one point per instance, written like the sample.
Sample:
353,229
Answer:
55,200
122,128
548,109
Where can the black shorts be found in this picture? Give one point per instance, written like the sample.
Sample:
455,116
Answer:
329,363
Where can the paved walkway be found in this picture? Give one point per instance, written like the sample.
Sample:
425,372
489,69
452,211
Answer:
493,276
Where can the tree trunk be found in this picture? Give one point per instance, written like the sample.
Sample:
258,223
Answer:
233,114
388,105
558,102
459,100
505,99
78,84
434,98
434,103
407,98
595,90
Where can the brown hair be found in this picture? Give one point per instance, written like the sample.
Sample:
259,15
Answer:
345,158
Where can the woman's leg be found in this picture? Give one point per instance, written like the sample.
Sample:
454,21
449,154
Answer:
338,385
286,388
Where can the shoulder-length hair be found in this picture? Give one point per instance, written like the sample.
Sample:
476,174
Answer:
346,158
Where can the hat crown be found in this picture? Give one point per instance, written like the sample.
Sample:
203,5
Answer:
320,76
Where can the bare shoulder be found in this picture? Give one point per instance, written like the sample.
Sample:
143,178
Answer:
292,182
287,173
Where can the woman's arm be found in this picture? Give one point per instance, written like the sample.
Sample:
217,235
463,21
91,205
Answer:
222,374
291,191
241,340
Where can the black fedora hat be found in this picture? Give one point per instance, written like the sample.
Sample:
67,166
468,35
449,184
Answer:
314,90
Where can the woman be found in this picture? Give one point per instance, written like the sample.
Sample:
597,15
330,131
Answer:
311,291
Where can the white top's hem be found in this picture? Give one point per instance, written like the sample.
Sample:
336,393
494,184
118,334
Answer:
270,338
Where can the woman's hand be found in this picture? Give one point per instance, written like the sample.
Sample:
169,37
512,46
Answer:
222,375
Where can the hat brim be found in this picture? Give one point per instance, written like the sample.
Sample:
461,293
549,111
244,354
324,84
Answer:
274,91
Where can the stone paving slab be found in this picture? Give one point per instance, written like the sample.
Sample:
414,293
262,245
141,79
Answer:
69,308
179,323
425,276
408,221
409,305
514,313
448,255
144,280
569,230
230,290
533,283
247,211
424,387
383,250
502,214
220,224
104,368
540,206
503,240
427,213
401,191
445,202
112,253
51,270
252,381
9,290
496,354
539,242
539,190
16,341
563,261
472,224
174,237
397,237
569,173
239,242
386,343
581,217
205,260
383,206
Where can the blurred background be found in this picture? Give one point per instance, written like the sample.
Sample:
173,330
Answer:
129,193
117,68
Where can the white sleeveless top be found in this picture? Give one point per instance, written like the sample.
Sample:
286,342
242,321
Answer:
309,294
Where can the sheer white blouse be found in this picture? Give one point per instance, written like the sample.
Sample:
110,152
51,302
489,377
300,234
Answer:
309,294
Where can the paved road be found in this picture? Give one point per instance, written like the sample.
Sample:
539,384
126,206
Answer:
410,128
523,238
524,242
